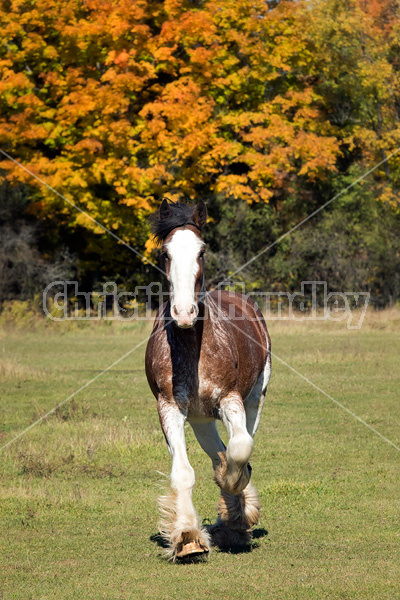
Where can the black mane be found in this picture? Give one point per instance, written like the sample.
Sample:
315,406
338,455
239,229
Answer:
163,222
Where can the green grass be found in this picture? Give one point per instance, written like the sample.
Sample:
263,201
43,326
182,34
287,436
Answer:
78,491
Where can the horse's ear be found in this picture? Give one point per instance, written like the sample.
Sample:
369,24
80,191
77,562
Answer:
200,214
165,210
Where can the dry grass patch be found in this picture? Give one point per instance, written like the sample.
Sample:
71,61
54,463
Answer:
10,369
95,447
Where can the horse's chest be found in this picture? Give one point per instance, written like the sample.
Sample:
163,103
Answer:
216,379
199,375
213,384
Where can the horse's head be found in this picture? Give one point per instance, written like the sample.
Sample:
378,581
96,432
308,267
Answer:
178,226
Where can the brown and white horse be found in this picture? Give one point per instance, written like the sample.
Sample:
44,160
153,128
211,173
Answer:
208,358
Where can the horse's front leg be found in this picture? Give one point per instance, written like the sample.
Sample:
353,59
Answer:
179,524
234,472
239,505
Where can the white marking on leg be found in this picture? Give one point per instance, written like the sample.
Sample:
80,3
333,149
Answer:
233,415
233,474
237,514
180,523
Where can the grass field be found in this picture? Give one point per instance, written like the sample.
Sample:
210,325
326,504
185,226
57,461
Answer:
78,490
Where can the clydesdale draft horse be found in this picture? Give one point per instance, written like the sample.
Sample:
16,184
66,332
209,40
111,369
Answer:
208,358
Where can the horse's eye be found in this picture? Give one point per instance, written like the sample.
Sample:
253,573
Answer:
201,255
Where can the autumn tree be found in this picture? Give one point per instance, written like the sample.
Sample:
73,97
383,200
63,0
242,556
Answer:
354,243
357,67
259,107
114,102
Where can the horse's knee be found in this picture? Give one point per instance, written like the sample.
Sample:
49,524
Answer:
231,476
182,478
240,448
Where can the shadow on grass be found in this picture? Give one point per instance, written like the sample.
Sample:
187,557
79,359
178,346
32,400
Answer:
244,548
259,533
159,540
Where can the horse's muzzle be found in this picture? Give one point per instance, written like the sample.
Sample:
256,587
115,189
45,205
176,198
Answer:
184,317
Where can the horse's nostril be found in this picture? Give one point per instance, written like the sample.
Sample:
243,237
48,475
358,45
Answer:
175,310
192,309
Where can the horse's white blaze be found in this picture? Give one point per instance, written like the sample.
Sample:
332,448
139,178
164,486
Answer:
184,249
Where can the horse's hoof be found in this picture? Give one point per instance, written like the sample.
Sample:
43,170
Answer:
191,549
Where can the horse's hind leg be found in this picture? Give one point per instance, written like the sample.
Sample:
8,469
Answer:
208,437
255,401
179,524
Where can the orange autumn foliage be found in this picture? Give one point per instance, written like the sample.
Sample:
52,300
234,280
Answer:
111,102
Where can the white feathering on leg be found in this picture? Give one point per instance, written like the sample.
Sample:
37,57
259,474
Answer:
178,530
